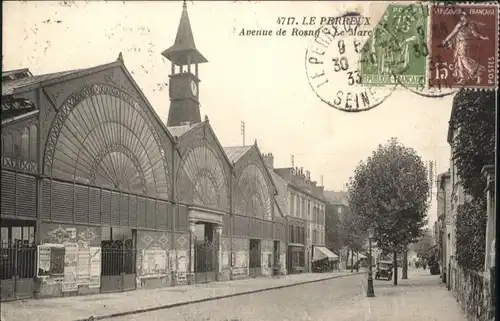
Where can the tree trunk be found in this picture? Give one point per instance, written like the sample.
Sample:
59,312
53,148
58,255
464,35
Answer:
352,261
405,264
395,263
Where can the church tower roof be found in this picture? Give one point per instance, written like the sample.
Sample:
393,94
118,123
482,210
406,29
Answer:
183,51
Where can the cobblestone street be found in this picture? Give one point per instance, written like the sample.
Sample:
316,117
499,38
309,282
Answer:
82,307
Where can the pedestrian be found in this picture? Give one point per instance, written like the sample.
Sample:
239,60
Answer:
417,264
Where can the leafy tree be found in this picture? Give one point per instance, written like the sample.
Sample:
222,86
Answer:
474,144
389,192
423,244
473,118
333,237
353,235
471,234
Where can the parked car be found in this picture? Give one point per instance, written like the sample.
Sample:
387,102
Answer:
384,270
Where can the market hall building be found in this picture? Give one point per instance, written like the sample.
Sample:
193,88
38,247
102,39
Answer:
98,195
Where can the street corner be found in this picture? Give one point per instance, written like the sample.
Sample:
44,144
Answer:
396,53
464,46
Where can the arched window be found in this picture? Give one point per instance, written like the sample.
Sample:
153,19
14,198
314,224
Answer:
254,191
102,136
201,178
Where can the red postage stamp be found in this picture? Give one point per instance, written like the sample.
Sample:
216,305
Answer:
463,46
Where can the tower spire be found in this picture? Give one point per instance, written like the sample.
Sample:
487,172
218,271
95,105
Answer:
183,51
184,81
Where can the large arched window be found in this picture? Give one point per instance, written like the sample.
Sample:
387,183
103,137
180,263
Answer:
254,192
201,179
101,136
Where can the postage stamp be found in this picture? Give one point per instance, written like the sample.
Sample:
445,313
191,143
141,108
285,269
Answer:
464,46
397,51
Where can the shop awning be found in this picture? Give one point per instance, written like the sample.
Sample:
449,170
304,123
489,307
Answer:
321,253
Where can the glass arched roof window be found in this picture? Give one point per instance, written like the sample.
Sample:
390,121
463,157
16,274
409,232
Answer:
101,136
254,193
201,178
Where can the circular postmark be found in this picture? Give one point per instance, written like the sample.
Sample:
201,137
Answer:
333,68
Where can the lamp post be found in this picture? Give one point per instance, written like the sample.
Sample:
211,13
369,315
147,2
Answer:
369,290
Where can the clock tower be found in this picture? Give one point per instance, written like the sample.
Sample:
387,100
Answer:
184,81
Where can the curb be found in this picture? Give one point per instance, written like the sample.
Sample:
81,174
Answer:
179,304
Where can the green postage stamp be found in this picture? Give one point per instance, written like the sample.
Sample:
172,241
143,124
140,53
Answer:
397,51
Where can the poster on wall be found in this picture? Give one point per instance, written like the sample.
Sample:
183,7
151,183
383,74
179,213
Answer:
172,260
95,267
182,260
154,262
225,259
70,267
50,258
83,275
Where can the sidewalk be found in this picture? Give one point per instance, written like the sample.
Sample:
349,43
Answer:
421,297
101,306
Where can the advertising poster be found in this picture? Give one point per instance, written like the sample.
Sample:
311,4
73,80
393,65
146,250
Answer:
95,267
83,277
154,262
70,267
43,259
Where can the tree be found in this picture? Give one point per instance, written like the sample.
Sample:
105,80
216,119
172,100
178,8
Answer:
389,192
473,118
423,244
353,235
333,237
474,145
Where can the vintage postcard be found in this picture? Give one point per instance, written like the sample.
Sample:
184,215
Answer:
249,160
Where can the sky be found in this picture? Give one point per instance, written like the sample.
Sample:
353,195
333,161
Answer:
260,80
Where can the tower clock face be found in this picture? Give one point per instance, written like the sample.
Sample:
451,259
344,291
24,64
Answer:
194,88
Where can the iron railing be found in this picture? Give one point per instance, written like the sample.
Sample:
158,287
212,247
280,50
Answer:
17,262
473,292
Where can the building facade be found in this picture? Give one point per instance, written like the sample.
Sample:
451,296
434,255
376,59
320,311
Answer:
445,231
99,195
306,219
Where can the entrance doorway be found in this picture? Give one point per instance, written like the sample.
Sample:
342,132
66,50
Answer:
118,259
17,259
205,254
255,258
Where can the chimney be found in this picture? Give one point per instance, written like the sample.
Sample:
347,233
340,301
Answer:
269,160
308,175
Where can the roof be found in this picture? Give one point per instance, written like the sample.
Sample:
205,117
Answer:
281,187
234,153
30,83
336,198
184,46
179,130
12,86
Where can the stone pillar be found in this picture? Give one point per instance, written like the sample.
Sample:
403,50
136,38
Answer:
217,250
191,271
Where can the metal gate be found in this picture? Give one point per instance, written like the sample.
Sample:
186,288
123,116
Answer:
118,266
204,261
17,272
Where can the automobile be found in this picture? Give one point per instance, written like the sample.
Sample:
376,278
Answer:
384,270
